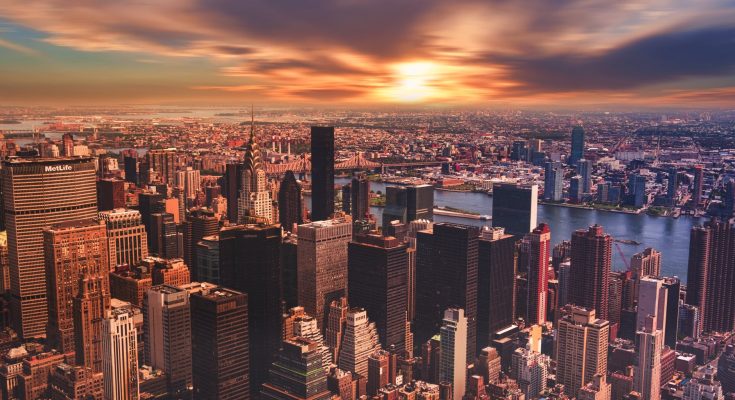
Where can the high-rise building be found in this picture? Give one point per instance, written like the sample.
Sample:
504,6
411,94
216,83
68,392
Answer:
166,240
110,194
726,369
336,322
202,223
531,370
453,363
131,169
254,201
652,302
322,172
697,186
290,202
233,184
377,274
597,389
120,355
637,191
672,186
496,272
163,163
168,335
553,181
647,375
297,373
208,260
703,386
322,264
575,189
591,261
577,145
487,365
581,348
711,274
250,262
407,204
30,187
359,341
74,251
584,167
689,321
646,263
446,277
90,307
359,197
537,246
299,323
378,371
671,325
220,341
515,207
189,179
127,237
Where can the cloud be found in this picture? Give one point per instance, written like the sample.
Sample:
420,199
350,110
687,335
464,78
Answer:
18,48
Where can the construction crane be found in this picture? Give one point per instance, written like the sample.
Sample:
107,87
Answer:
625,259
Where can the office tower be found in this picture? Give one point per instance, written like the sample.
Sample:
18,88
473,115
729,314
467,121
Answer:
110,194
127,237
378,371
537,245
581,348
163,163
672,186
73,251
359,197
496,271
297,373
130,283
615,298
220,341
407,204
377,274
290,202
577,145
698,186
208,260
165,236
446,277
652,302
250,263
584,168
202,223
689,321
553,181
531,370
299,323
671,326
647,375
254,201
597,389
453,363
726,369
575,189
89,308
30,187
74,382
120,355
190,180
322,172
233,184
591,260
487,365
514,207
359,341
131,169
211,193
168,335
711,274
322,264
645,263
637,191
336,322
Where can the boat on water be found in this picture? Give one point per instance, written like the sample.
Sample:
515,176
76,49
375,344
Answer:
628,241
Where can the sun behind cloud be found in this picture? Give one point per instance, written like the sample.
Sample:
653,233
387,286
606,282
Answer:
413,81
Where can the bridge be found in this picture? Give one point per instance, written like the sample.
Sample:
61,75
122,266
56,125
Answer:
356,162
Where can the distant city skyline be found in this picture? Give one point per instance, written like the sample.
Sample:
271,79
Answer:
654,53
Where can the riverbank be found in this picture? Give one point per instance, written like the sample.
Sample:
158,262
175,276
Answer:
588,207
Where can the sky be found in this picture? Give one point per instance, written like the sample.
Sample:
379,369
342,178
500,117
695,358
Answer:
366,52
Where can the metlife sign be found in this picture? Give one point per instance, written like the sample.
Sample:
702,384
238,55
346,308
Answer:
57,168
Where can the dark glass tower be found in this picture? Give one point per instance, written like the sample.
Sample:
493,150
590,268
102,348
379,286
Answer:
297,373
250,263
515,208
202,223
219,335
577,145
591,261
496,273
377,276
359,197
408,203
322,172
290,202
446,276
673,286
233,183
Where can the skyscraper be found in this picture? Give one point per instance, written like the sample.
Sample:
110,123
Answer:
250,262
110,194
637,191
697,186
645,263
163,163
584,167
591,261
89,308
360,197
581,350
290,202
652,302
453,362
202,222
726,369
360,341
254,201
233,183
220,341
189,179
322,264
515,207
577,145
29,187
208,260
378,371
377,275
672,186
128,240
538,247
322,172
168,335
74,251
299,323
647,375
531,369
496,272
446,277
553,181
120,355
166,240
297,373
671,325
408,203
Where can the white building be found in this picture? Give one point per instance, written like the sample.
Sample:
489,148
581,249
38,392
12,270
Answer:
360,341
453,360
647,374
120,355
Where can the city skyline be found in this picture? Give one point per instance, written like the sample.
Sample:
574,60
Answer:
656,53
